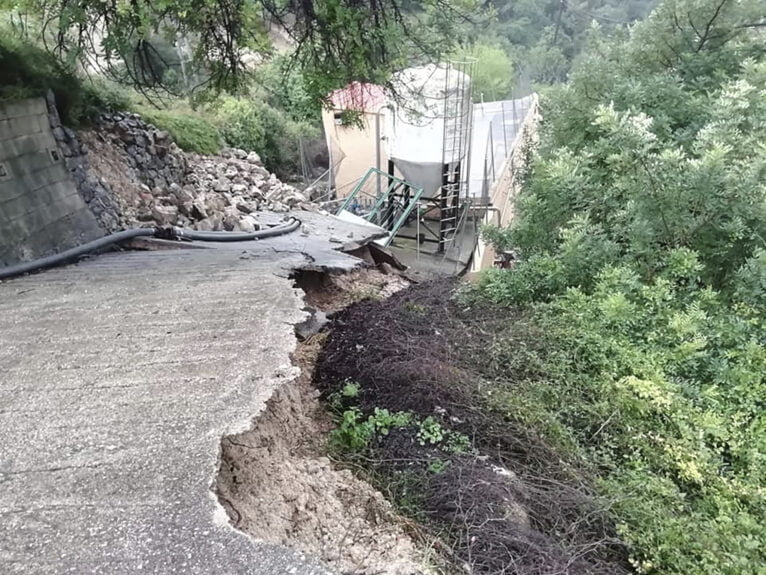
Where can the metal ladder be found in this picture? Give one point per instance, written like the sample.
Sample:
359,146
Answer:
456,123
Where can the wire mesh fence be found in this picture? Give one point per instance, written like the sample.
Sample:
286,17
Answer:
496,126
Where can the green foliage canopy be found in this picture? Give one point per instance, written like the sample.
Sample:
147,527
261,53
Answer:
546,37
643,153
493,71
335,41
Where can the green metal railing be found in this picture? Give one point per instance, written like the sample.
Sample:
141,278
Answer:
398,195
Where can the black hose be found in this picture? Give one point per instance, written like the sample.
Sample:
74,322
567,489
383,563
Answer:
63,257
174,233
286,228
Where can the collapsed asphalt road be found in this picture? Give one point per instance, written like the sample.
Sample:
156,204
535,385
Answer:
119,377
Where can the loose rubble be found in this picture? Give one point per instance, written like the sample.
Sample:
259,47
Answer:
131,173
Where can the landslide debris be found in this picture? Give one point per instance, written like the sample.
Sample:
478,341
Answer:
277,483
130,173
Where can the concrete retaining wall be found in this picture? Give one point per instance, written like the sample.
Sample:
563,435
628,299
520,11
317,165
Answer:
41,211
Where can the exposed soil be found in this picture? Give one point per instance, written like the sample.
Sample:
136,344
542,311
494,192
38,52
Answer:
277,484
108,164
506,504
334,292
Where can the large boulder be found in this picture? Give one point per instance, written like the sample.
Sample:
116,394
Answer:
165,215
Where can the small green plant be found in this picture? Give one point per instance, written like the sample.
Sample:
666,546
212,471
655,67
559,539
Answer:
358,294
457,443
350,389
354,432
414,308
438,466
338,400
430,432
383,420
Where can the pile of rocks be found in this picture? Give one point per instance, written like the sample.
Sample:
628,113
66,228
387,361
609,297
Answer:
224,191
153,181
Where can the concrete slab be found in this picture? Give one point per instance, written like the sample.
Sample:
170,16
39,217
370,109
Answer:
118,378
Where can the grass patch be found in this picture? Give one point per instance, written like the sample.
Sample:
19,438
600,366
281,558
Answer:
29,72
192,131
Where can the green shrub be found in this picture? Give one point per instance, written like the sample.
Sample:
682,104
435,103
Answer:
641,232
662,386
253,125
29,72
191,131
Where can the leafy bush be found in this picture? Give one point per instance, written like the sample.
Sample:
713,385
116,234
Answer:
661,385
191,131
253,125
492,77
656,160
640,230
29,72
285,85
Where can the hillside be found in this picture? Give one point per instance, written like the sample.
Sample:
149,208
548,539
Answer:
594,405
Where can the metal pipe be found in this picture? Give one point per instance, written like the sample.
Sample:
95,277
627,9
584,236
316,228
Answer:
417,230
505,133
377,152
319,178
492,150
470,140
494,209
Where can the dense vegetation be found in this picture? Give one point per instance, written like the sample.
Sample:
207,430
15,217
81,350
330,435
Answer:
333,41
546,37
641,236
270,119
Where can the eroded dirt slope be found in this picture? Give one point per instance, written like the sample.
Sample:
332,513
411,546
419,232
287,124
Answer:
277,484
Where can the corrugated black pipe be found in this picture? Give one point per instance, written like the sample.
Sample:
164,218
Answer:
184,234
63,257
175,233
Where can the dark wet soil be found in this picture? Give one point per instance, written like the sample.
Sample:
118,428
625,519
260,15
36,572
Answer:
506,502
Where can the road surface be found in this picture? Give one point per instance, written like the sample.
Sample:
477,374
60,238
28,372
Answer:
118,378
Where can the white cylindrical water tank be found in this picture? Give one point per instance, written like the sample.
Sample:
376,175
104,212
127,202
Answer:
428,122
